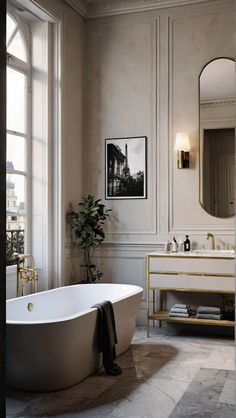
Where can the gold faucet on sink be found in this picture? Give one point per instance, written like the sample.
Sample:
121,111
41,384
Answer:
210,235
25,273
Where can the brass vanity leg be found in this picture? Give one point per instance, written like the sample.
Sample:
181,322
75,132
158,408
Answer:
147,293
160,304
153,305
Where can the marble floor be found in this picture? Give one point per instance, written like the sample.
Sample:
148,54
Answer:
171,374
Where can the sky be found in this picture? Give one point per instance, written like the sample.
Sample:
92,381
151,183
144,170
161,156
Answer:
136,152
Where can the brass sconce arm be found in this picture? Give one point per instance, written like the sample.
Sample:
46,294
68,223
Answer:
182,146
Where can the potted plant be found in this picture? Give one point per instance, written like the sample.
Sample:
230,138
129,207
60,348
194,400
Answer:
87,227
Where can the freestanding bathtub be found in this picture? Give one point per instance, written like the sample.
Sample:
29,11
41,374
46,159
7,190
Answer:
51,337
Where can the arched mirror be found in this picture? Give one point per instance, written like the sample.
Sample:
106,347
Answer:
217,137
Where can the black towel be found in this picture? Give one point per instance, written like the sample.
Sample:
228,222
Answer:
107,338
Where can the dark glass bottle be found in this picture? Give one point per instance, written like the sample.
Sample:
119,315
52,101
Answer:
187,244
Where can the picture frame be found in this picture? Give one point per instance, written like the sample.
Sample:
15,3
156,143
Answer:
126,168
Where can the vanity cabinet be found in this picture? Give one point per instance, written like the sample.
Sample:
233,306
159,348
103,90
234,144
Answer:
187,272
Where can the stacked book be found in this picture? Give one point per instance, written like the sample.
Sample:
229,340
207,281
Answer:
180,310
209,312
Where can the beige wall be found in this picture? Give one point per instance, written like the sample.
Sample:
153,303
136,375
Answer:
142,79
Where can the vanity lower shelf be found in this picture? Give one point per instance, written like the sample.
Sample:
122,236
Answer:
164,316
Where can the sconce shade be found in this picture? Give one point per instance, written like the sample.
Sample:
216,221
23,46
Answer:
182,142
182,147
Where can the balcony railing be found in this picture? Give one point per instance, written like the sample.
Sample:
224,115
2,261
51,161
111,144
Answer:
15,239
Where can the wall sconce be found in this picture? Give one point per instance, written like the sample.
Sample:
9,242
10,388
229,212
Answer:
182,147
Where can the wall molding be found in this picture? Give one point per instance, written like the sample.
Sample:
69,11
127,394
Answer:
219,123
98,8
201,230
80,6
105,250
153,137
218,102
170,121
217,225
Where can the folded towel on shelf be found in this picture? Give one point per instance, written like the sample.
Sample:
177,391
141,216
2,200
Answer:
179,314
180,310
209,316
181,306
209,310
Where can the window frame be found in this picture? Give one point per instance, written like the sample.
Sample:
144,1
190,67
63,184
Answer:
44,152
23,67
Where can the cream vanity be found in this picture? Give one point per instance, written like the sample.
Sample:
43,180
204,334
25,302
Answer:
208,271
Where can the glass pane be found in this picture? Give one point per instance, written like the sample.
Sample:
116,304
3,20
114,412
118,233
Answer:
15,196
16,103
11,25
15,218
15,152
15,242
17,47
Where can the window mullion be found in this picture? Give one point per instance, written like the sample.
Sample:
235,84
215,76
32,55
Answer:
17,64
12,36
19,172
16,133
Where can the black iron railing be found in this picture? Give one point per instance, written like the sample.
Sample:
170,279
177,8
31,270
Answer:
15,239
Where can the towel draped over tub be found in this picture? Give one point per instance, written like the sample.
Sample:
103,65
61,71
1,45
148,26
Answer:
107,337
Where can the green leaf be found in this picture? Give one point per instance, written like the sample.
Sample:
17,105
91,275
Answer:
87,226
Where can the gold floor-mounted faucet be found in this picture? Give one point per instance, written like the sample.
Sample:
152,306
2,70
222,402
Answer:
25,273
210,235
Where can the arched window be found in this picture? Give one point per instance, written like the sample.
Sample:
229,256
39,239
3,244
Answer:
18,135
15,40
33,139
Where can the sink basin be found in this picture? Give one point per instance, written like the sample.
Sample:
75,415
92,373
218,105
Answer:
216,253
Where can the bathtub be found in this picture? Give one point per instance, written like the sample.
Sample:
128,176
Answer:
51,336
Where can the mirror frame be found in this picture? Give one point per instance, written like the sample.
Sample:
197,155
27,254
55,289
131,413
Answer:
200,137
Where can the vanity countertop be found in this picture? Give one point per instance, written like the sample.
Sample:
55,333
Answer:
196,253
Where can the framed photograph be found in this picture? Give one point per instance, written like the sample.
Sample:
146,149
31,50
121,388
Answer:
126,172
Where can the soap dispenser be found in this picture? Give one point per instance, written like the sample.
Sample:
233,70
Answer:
167,246
187,244
181,246
174,246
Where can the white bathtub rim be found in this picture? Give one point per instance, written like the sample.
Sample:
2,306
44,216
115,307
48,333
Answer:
136,290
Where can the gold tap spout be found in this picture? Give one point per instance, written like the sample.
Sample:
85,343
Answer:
16,256
210,235
25,273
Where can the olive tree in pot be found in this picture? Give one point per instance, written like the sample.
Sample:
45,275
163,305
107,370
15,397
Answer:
87,226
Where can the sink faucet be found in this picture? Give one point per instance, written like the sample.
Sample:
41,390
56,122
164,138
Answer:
210,235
